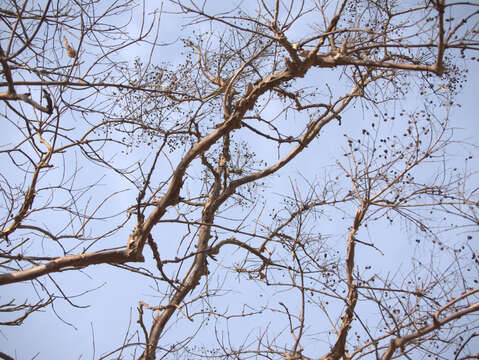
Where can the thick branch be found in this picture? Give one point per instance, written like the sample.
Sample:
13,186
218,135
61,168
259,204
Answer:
68,263
339,347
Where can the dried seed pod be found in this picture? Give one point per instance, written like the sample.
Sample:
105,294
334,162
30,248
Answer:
71,53
48,98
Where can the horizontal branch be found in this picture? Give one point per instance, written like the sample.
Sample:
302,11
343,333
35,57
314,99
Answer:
68,262
344,60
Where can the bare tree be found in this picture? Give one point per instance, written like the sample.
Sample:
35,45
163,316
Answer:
201,139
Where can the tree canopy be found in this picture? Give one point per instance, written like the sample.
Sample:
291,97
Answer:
261,179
